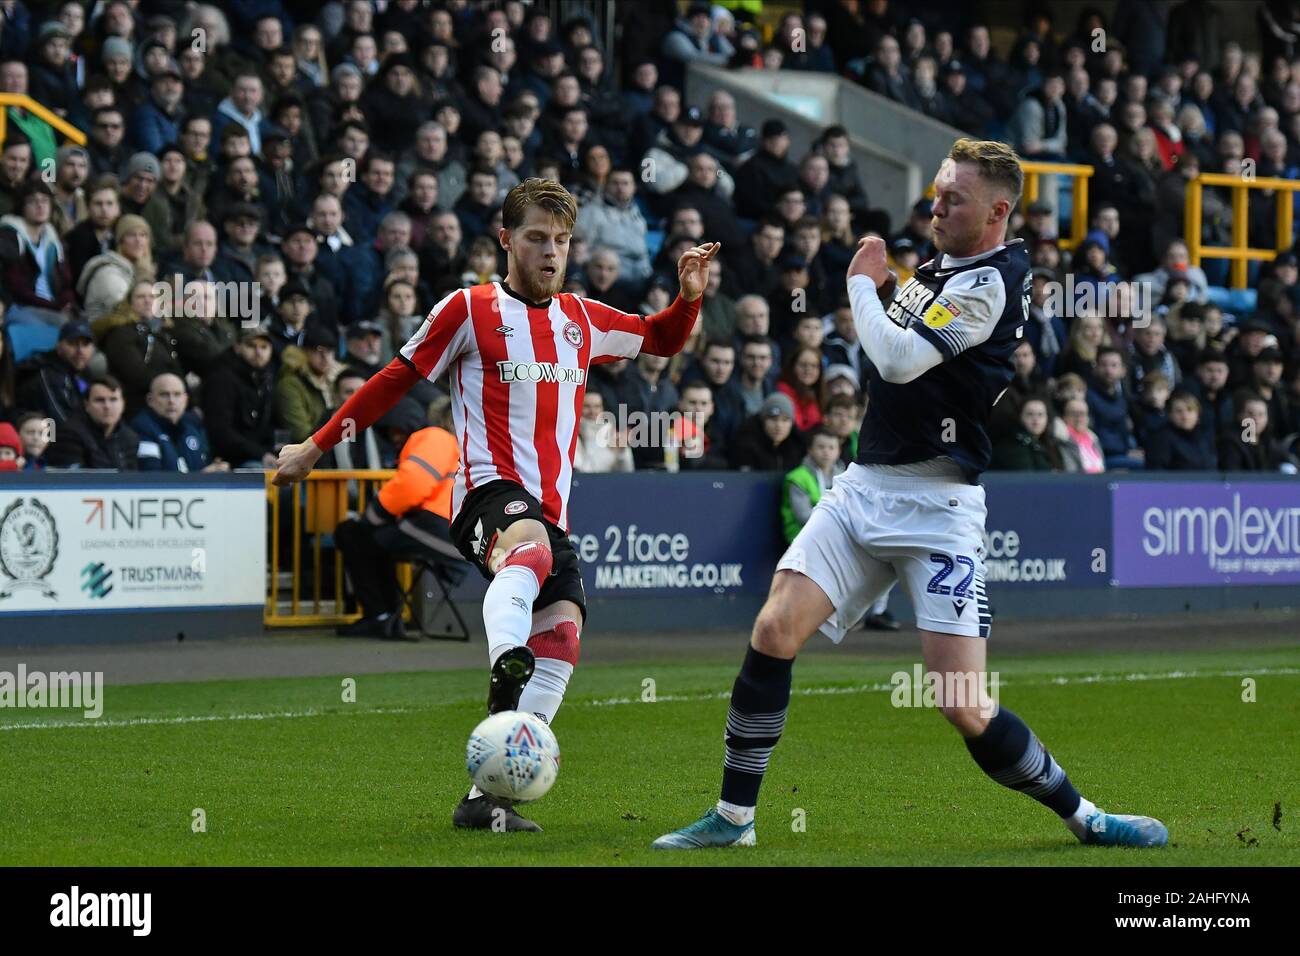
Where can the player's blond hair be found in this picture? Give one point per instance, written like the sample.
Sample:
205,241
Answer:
998,163
548,194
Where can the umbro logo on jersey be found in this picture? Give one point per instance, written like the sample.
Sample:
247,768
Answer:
504,330
540,372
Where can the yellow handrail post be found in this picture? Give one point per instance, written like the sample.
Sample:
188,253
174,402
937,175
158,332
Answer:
1285,218
1240,232
1192,221
1031,188
1079,211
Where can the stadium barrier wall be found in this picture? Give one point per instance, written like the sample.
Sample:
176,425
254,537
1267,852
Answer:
89,557
696,551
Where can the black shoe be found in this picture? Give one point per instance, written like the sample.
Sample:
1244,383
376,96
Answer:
491,813
509,675
880,622
395,630
363,627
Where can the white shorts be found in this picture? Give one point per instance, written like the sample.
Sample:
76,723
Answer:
872,529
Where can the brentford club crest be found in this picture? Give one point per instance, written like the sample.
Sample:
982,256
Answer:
573,334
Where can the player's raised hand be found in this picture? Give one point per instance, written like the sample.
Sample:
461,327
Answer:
693,269
295,462
871,261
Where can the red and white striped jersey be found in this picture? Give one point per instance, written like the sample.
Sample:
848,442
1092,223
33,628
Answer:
518,374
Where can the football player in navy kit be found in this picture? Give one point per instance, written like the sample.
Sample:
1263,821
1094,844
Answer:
911,509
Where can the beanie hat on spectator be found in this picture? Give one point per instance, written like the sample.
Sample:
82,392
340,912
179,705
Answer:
69,150
1100,238
52,28
778,403
242,210
343,69
116,46
9,439
130,223
407,416
773,128
145,163
840,370
295,286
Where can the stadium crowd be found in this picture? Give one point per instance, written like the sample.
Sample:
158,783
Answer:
337,169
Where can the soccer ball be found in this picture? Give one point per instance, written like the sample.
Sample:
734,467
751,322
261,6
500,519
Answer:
513,755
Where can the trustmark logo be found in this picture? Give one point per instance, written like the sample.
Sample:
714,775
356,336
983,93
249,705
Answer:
96,580
540,372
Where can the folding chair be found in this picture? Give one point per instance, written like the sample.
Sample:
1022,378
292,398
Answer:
445,573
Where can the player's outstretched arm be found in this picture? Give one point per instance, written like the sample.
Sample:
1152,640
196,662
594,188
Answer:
666,332
358,413
899,354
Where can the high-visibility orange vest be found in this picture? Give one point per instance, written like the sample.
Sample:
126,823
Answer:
426,470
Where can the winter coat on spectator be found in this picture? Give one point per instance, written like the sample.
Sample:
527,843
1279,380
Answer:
157,212
680,47
1073,456
1176,449
137,352
1109,415
847,182
1022,452
181,447
807,413
760,181
19,270
227,113
596,451
201,344
671,158
1036,120
49,385
81,244
753,449
83,444
1236,454
301,396
104,282
53,87
620,227
238,410
150,127
1140,366
363,209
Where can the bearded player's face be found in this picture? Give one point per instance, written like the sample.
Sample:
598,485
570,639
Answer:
537,251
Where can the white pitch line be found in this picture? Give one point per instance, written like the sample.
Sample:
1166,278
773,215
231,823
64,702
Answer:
621,701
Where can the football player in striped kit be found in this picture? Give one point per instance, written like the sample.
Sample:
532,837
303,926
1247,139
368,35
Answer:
911,508
517,354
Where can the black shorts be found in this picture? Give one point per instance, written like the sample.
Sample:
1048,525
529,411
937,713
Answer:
488,510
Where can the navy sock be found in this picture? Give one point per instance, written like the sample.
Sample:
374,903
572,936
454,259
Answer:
1011,755
759,700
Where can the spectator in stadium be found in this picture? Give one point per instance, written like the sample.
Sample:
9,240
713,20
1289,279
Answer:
1265,382
767,174
724,135
769,441
185,204
367,264
718,310
172,437
1087,335
1247,444
1081,451
410,514
94,234
156,122
72,167
55,382
36,276
700,447
887,75
1182,445
11,449
1108,411
844,179
801,381
1149,354
971,109
107,279
139,343
717,369
8,378
99,439
368,202
34,432
238,402
107,145
752,268
1032,446
693,39
931,99
1177,261
805,484
243,106
1210,386
1149,408
843,419
614,221
603,281
141,197
601,448
304,387
753,379
1028,381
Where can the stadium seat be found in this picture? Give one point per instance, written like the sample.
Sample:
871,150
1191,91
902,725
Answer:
29,339
443,573
1236,301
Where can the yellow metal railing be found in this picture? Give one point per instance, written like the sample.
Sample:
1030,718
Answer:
42,112
1079,175
316,507
1240,252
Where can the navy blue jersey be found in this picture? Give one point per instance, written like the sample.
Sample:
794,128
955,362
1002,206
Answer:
974,313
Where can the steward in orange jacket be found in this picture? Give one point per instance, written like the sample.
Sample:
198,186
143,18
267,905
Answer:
410,515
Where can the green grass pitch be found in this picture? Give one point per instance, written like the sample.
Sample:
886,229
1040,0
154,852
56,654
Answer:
286,773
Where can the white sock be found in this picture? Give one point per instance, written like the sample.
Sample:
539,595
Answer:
736,814
544,692
1077,823
508,608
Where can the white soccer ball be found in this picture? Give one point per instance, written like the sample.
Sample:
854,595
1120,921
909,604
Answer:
513,755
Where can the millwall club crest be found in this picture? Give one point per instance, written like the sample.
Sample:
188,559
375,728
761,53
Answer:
573,334
29,543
